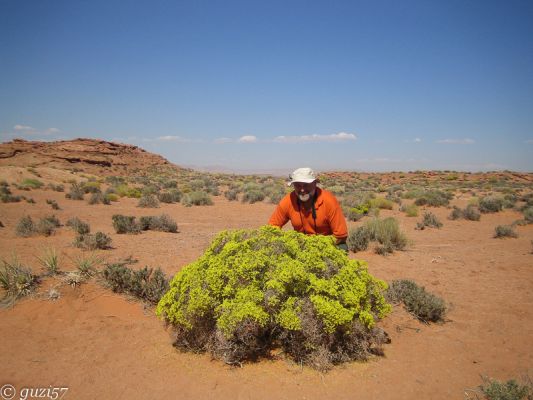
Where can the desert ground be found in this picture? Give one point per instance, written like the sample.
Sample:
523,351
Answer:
103,345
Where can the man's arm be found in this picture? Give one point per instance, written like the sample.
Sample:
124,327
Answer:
337,221
280,216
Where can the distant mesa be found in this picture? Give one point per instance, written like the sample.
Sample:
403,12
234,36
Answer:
92,156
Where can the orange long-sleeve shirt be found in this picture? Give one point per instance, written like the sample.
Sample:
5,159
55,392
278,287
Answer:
329,217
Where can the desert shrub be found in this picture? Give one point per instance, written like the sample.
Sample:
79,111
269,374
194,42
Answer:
386,232
510,390
509,200
161,223
47,225
98,198
6,196
89,241
254,290
411,210
31,183
53,204
145,284
471,213
355,213
429,220
111,197
78,226
16,280
528,215
125,224
91,187
490,204
231,194
25,227
30,201
253,196
358,239
148,201
456,213
196,199
434,198
381,203
123,190
424,305
50,261
76,192
56,188
502,231
172,196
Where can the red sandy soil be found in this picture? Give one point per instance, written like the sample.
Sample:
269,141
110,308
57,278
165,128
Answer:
103,345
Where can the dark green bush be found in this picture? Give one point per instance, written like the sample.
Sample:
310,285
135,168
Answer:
6,196
502,231
25,227
145,284
78,226
255,290
148,201
429,220
125,224
490,204
161,223
434,198
89,241
425,306
197,199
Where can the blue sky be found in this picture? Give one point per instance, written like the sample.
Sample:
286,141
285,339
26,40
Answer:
273,85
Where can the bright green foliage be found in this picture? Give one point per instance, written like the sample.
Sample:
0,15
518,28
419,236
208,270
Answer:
265,277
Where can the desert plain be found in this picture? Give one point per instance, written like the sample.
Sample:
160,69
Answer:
105,345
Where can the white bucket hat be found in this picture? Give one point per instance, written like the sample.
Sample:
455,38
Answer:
303,175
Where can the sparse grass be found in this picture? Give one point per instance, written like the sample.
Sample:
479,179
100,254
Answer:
145,284
385,231
76,192
16,280
125,224
80,227
429,220
50,261
196,198
423,305
410,210
53,203
381,203
163,223
90,241
148,201
25,227
30,183
490,204
493,389
86,265
503,231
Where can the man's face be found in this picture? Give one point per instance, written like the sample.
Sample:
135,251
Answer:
305,191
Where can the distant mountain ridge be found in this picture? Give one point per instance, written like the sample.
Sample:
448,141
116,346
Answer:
89,155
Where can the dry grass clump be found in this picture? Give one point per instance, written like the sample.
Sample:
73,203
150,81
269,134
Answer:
492,389
490,204
146,284
78,226
503,231
429,220
423,305
162,223
470,213
384,231
410,210
45,226
90,241
125,224
148,201
196,198
16,280
434,198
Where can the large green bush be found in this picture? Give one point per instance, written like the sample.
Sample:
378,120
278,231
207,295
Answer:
254,290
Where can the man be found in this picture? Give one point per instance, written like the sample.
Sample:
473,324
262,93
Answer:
310,209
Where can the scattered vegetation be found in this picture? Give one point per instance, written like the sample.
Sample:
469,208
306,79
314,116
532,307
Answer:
197,199
492,389
429,220
384,231
89,241
16,280
490,204
254,290
80,227
125,224
30,183
50,261
503,231
410,210
434,198
161,223
148,201
53,204
145,284
423,305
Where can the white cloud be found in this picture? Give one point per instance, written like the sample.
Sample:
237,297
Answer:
456,141
247,139
334,137
24,128
52,130
171,138
223,140
417,140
